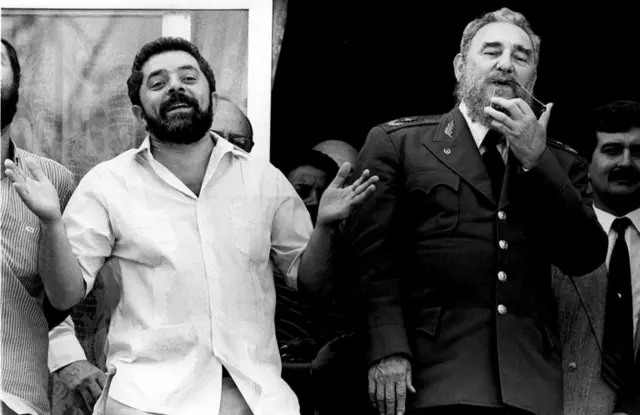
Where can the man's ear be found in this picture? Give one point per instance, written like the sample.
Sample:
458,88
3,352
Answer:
139,114
214,102
458,66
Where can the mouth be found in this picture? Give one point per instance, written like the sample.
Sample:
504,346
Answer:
178,106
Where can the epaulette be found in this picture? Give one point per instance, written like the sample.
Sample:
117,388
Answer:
405,122
563,146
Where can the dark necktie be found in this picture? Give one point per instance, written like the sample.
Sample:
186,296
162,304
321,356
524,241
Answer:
493,161
617,353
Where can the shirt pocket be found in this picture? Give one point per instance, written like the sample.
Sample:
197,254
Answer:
433,201
250,233
146,237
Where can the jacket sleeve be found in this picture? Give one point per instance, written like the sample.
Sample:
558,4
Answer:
559,192
372,232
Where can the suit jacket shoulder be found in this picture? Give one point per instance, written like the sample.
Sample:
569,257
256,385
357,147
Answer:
408,122
565,151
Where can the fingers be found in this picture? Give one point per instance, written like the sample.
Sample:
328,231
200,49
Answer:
372,387
502,129
365,174
359,198
87,397
401,396
390,397
544,118
409,380
94,388
343,174
102,379
35,169
381,396
500,117
14,173
359,186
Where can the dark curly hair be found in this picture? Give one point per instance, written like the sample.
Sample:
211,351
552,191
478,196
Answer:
9,111
613,117
160,45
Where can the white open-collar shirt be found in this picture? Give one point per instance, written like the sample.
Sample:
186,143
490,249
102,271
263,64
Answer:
195,275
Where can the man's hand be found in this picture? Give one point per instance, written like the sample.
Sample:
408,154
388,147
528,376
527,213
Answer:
526,135
38,193
389,380
84,379
337,201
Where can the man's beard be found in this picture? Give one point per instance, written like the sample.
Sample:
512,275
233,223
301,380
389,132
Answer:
9,105
476,92
180,128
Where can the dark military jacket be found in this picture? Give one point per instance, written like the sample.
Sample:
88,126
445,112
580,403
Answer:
459,280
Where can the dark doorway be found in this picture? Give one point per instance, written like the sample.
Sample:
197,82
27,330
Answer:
346,66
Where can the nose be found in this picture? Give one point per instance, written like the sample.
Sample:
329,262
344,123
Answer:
175,84
505,63
625,159
314,197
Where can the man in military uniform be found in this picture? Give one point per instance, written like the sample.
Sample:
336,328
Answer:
452,254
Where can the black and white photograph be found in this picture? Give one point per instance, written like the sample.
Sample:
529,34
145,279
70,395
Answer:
287,207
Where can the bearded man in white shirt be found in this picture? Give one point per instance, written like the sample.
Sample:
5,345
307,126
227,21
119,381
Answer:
193,227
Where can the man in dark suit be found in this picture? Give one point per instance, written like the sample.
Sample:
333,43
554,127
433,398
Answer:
452,255
598,313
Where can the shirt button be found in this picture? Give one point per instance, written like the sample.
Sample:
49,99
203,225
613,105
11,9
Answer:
573,366
502,310
502,215
502,276
503,244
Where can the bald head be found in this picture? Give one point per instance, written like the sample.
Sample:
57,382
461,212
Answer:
231,123
339,151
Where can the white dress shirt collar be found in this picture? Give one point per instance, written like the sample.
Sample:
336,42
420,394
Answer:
478,131
606,219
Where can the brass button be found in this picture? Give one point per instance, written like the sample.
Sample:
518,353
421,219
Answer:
502,310
502,215
502,276
503,244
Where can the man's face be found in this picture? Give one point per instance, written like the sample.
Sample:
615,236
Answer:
177,106
310,183
9,90
615,167
499,52
230,123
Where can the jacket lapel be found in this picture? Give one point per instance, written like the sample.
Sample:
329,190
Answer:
453,145
592,289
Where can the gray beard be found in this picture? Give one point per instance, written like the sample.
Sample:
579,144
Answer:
474,94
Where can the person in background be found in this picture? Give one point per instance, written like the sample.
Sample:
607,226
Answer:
26,313
452,254
599,313
340,151
232,124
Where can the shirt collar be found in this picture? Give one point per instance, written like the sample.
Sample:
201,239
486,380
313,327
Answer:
478,131
606,219
222,145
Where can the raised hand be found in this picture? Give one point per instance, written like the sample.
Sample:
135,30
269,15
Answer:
526,134
36,191
338,200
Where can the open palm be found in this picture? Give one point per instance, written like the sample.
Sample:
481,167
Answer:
36,191
338,200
